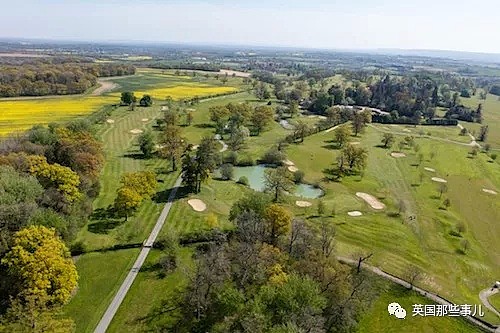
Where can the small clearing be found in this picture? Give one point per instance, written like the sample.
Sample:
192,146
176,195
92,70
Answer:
136,131
110,121
145,119
197,205
371,200
398,155
439,180
303,203
104,87
430,169
195,147
190,110
164,108
293,168
354,213
236,73
489,191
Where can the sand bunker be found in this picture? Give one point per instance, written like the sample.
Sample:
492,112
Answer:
288,162
144,119
293,168
354,213
371,200
406,130
303,203
195,147
489,191
398,155
164,108
430,169
110,121
190,110
197,205
439,180
355,143
136,131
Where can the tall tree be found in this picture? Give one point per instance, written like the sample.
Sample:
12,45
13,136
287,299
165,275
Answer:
301,130
172,144
127,201
261,117
278,221
342,135
278,181
146,144
41,266
219,115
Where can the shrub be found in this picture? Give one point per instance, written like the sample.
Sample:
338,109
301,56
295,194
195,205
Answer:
78,248
231,157
273,156
226,171
168,262
494,156
246,161
298,176
243,181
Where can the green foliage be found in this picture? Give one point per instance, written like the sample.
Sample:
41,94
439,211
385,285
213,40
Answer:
142,182
127,201
342,135
146,144
243,181
298,176
226,171
388,140
41,265
255,202
261,117
127,98
146,101
274,156
54,175
278,181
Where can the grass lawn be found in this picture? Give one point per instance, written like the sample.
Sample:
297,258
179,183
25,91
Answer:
101,274
491,114
495,301
147,293
218,195
397,241
377,319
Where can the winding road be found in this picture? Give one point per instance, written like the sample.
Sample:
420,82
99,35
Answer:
127,283
429,295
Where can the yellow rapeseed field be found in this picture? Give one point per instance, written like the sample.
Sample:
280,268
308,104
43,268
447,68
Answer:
20,115
185,91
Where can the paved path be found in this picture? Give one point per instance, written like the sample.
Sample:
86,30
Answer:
127,283
433,297
484,295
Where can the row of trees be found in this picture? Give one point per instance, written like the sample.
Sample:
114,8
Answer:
41,79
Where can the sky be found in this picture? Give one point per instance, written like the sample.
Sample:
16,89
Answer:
348,24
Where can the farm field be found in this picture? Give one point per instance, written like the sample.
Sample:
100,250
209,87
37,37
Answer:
21,114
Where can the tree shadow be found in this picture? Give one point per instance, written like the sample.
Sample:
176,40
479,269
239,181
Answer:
164,170
204,125
135,156
333,146
162,196
104,226
332,174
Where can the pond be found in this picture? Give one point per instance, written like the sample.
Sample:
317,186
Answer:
255,175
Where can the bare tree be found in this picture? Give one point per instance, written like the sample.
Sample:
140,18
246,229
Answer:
412,275
327,235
